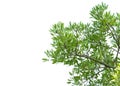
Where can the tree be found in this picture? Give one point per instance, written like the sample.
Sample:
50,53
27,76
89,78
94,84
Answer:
92,49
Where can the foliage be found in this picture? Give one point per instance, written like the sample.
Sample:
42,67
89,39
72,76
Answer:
92,49
116,76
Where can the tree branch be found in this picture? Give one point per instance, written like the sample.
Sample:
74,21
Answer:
117,42
117,50
113,34
117,55
95,60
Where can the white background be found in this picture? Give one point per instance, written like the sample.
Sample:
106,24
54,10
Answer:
24,36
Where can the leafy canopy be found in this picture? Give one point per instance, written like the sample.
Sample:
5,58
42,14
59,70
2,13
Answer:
92,49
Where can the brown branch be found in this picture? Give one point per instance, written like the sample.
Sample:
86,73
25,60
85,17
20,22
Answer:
116,50
97,61
112,33
117,55
117,42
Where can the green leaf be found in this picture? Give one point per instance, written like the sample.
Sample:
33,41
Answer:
44,59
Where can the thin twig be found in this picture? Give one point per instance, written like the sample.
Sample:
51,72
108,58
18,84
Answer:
116,50
117,55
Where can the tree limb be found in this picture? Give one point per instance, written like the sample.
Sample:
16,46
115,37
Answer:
95,60
113,34
117,42
117,55
117,50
